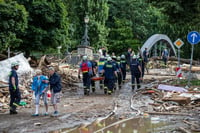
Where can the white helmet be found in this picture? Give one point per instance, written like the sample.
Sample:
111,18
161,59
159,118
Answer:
84,57
14,64
123,57
118,58
109,58
102,57
134,56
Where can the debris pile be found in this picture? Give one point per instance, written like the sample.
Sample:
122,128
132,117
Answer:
169,100
68,76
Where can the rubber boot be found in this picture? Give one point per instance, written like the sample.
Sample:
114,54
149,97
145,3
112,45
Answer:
13,110
105,90
85,91
88,92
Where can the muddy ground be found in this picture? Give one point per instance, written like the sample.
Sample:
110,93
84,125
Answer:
76,109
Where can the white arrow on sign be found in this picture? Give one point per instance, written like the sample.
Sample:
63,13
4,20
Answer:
194,35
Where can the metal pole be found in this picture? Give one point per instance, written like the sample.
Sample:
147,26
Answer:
8,52
189,78
179,62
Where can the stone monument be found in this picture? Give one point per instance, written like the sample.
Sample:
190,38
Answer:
84,48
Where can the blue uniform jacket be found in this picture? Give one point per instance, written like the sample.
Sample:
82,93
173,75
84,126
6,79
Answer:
134,67
109,69
13,73
38,86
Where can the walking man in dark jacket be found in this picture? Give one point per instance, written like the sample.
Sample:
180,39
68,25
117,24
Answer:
136,72
15,95
110,73
55,87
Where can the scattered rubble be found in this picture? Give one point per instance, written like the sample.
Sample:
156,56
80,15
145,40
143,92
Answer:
25,79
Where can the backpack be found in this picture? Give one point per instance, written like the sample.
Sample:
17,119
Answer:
84,67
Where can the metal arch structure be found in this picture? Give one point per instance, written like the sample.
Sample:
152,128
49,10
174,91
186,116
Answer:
154,39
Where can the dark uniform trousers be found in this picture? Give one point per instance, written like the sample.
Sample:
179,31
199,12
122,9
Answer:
15,98
109,83
119,75
86,82
137,77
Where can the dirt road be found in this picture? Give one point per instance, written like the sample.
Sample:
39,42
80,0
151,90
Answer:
75,109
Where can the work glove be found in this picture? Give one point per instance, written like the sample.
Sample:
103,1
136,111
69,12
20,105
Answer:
79,77
14,88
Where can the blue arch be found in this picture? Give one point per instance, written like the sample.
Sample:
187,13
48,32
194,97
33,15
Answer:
154,39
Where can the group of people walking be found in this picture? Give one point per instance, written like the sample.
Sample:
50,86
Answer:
40,86
113,69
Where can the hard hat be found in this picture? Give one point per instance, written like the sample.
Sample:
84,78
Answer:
134,56
123,56
109,59
118,58
91,57
114,57
84,57
14,64
102,57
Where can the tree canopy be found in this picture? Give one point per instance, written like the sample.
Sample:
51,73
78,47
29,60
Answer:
14,19
43,25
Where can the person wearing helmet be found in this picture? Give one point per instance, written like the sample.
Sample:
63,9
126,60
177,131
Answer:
119,72
109,70
15,95
114,61
123,67
86,69
136,72
100,68
94,71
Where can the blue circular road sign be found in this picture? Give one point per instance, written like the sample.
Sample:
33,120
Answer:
193,37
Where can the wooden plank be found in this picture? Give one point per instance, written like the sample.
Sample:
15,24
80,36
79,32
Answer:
180,100
167,113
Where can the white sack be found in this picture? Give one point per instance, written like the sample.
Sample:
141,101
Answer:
5,66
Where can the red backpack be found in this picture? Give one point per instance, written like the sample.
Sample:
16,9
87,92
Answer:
84,67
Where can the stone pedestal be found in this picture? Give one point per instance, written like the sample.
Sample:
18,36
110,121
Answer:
85,50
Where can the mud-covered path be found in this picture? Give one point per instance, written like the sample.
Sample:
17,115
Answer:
76,109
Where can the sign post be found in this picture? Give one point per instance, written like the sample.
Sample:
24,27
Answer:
178,43
193,37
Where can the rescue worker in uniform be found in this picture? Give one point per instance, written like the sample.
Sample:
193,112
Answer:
15,95
110,73
86,69
100,68
136,72
94,71
119,73
114,61
123,67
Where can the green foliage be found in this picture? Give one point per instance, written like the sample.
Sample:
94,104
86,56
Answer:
43,25
121,37
48,25
183,17
97,10
13,23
